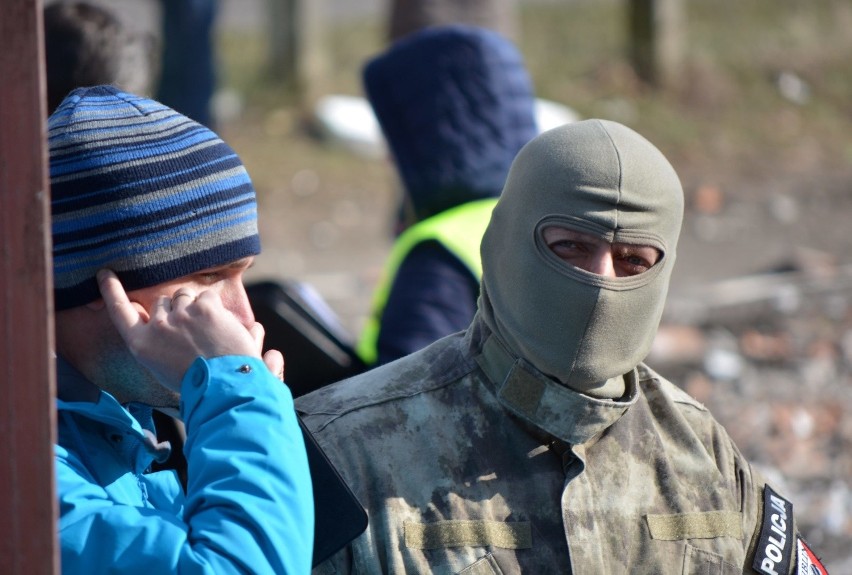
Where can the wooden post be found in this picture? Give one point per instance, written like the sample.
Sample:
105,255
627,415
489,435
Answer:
298,54
407,16
655,30
28,534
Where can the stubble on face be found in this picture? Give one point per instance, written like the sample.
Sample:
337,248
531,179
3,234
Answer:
117,372
86,338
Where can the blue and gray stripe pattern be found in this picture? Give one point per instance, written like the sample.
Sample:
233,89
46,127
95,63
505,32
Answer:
143,190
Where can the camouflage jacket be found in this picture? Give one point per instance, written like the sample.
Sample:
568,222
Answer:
471,462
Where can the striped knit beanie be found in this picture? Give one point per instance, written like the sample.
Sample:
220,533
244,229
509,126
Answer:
142,190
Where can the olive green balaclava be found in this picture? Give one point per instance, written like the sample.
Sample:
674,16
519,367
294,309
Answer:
597,177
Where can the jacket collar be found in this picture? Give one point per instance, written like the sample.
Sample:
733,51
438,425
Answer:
76,394
565,414
72,386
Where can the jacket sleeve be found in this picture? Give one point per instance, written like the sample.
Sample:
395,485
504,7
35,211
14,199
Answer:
432,296
248,505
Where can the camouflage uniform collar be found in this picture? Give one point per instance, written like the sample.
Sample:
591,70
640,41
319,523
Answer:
565,414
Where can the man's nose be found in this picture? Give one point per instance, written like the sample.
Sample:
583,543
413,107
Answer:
237,302
601,263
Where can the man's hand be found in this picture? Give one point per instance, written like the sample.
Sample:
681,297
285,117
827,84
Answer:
273,358
179,329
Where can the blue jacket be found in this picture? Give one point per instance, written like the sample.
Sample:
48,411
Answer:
248,507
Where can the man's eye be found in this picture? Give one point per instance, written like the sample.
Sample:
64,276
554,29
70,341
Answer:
638,261
634,264
565,246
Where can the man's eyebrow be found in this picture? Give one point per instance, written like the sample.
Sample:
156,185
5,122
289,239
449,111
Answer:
242,263
247,262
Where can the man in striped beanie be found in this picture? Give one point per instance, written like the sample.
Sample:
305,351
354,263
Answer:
154,225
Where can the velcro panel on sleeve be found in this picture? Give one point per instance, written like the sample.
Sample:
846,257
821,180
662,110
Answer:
444,534
701,525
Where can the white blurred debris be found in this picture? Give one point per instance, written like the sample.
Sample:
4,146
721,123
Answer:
784,208
723,364
227,105
550,114
722,359
802,423
350,122
838,508
793,87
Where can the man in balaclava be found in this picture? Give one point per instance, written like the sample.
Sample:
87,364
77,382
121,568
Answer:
537,441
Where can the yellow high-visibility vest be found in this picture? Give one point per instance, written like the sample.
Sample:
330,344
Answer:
458,229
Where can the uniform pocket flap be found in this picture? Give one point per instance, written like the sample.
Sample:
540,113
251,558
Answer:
443,534
700,525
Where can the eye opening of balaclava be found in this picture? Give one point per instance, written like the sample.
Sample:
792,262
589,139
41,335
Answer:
637,237
576,327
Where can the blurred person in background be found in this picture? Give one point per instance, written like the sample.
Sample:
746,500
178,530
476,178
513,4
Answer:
407,16
538,440
86,44
154,223
455,104
187,80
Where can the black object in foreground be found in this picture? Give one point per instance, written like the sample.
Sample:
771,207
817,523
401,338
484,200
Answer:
340,518
317,350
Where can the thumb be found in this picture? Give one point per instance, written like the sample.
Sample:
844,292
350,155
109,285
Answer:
258,333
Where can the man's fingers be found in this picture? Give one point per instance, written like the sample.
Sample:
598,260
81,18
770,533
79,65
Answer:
122,312
275,363
258,333
273,358
182,298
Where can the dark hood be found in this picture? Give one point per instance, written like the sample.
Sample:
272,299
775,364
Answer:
455,104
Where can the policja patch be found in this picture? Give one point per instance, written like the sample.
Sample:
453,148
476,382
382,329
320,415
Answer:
775,547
